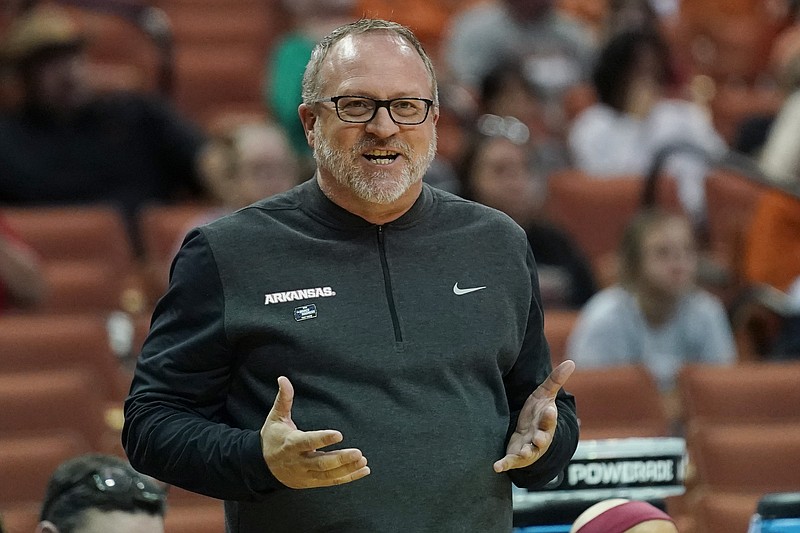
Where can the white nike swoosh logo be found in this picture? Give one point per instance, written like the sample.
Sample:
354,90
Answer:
459,292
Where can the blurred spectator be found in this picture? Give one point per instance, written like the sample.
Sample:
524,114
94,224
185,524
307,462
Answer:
556,52
22,283
249,162
634,120
497,172
244,163
619,515
99,493
68,145
656,315
627,15
506,91
779,158
283,73
772,259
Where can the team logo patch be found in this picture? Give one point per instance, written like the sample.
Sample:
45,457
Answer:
305,312
299,294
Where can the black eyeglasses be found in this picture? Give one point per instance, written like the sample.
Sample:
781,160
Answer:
360,109
118,484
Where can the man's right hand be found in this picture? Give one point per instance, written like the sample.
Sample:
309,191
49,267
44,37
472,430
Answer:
293,456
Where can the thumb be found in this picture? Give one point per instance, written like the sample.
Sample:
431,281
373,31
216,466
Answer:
282,408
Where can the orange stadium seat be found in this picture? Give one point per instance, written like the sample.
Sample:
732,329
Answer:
162,227
209,518
721,462
81,287
742,393
20,518
558,325
731,201
616,402
212,79
66,400
27,461
190,512
595,212
720,511
62,342
86,255
76,233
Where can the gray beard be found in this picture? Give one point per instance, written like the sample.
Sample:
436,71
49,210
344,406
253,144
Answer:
377,187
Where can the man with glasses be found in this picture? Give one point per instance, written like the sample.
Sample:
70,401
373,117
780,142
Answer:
101,493
364,314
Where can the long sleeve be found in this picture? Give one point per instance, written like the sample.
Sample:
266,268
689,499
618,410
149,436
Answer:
534,360
174,415
780,157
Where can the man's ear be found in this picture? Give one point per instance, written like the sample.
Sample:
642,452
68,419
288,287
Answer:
308,118
45,526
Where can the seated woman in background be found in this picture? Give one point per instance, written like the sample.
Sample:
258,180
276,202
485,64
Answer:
635,119
496,171
656,315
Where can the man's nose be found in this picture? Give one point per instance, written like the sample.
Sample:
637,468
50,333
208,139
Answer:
382,124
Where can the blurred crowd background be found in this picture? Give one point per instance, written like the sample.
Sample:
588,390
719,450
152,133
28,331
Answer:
649,148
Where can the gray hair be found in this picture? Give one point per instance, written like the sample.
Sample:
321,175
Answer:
312,84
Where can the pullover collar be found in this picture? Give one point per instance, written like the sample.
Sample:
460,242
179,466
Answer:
320,207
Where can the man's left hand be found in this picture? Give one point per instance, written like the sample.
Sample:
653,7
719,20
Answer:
537,422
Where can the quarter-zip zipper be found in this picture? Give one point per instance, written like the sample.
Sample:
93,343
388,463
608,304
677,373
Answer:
387,285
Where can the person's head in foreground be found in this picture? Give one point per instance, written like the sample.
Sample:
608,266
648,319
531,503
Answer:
619,515
100,493
369,109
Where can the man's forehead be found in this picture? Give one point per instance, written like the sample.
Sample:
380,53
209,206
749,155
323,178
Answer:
354,47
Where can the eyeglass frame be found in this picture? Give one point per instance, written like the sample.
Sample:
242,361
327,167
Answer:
378,104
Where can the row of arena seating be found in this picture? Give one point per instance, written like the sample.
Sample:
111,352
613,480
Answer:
90,262
741,425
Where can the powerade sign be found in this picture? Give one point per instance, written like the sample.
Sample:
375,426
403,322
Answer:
653,464
628,472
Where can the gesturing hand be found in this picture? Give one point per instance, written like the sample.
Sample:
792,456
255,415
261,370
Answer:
536,423
293,456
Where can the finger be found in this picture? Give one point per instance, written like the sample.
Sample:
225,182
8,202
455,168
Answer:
526,450
331,460
347,478
548,419
339,472
512,461
307,441
282,408
541,441
557,378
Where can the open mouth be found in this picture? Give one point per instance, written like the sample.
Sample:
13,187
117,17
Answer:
381,157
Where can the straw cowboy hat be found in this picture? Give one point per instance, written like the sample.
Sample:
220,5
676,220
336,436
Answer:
39,33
